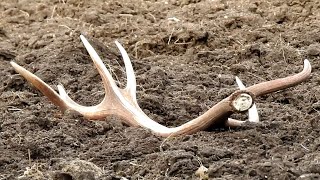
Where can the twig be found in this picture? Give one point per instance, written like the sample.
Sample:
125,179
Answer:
171,35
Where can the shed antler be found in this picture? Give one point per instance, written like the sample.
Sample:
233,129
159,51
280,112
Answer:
123,102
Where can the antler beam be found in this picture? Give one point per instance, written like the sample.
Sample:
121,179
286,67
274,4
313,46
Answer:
123,102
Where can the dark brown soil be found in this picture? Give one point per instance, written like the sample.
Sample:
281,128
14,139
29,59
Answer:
183,67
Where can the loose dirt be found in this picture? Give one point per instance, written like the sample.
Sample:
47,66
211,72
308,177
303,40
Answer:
185,54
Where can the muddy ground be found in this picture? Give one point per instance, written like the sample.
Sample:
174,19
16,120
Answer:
185,54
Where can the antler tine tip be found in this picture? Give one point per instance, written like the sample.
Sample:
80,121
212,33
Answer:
62,91
307,66
307,62
19,69
239,83
83,39
14,64
121,49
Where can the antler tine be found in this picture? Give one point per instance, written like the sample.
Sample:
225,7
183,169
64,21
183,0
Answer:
232,123
43,87
131,78
108,82
282,83
62,100
64,96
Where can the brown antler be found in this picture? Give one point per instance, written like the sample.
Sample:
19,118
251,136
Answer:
123,103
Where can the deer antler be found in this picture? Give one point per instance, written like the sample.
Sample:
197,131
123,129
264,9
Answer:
123,103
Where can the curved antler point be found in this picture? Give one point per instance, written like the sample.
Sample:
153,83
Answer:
306,64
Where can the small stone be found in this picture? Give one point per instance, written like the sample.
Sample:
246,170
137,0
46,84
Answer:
77,170
314,49
202,173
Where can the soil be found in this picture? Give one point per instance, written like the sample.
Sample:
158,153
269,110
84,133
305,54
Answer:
186,54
